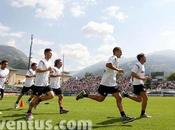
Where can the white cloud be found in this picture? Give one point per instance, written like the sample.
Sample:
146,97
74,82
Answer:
12,43
77,10
50,9
77,52
17,34
22,3
94,29
167,39
5,31
90,2
114,12
38,41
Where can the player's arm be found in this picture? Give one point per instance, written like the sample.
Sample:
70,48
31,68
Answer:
27,76
110,65
40,70
135,75
8,78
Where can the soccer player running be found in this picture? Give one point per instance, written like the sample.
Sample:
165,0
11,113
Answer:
108,85
138,78
4,75
29,84
41,91
55,77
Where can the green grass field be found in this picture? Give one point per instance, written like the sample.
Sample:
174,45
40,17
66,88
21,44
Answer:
105,115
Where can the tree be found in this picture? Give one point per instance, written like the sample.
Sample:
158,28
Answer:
171,77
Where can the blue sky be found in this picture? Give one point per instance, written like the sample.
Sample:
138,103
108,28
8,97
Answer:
87,30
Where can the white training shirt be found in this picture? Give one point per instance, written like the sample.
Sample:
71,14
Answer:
42,79
3,77
109,76
29,81
139,69
55,81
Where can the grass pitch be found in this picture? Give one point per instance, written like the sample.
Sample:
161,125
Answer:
104,116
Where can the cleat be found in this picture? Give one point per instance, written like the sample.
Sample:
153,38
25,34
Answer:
63,111
29,116
16,106
82,94
126,119
145,116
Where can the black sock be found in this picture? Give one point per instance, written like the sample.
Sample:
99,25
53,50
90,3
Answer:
142,112
29,111
17,102
61,108
29,99
122,113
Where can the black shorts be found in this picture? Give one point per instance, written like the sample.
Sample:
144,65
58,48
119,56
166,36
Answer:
39,90
26,89
105,90
138,89
57,91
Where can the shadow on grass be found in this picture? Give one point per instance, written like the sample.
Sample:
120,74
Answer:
111,122
10,109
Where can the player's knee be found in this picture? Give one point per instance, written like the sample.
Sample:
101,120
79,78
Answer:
139,100
60,97
119,99
100,99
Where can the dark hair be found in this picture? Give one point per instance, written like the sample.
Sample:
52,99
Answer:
47,50
116,49
139,56
33,64
4,61
57,61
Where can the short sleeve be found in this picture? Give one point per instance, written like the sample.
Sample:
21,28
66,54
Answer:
111,60
135,69
40,65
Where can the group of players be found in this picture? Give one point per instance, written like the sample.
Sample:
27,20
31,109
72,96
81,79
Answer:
44,81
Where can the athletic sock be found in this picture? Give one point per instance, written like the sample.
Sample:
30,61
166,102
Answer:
29,111
17,102
29,99
142,112
61,108
122,114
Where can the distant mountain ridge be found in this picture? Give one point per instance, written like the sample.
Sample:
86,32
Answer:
156,62
17,59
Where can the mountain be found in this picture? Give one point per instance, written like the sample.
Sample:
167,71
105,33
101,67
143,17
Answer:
156,62
16,58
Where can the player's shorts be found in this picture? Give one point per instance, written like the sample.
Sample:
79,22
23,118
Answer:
26,89
138,89
57,91
39,90
105,90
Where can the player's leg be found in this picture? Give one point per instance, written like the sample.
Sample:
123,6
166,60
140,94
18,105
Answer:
32,88
136,98
31,97
60,102
2,94
47,95
144,96
124,118
31,105
36,92
136,90
97,97
23,91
